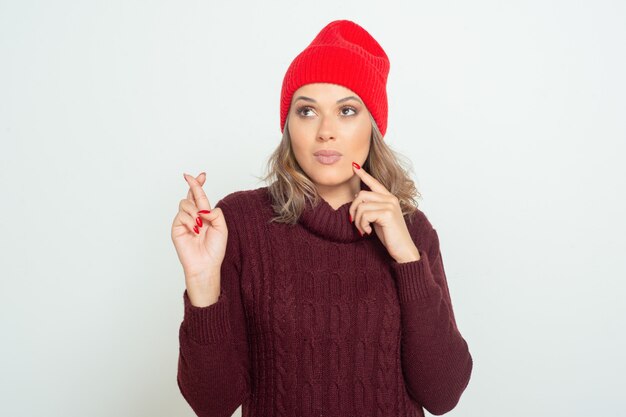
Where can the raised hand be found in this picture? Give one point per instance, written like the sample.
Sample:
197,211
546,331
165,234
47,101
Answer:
380,209
200,235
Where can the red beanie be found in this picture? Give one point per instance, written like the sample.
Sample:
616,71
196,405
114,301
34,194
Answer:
346,54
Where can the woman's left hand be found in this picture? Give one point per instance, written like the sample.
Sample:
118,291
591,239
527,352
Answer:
381,209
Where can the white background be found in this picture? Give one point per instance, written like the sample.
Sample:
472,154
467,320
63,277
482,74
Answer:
512,114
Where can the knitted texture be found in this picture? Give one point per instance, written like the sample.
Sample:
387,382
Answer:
342,53
315,320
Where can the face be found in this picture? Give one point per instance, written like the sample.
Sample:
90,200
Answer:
326,116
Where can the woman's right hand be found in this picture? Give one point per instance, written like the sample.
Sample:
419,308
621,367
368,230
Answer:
200,253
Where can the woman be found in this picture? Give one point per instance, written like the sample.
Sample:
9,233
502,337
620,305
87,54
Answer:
324,293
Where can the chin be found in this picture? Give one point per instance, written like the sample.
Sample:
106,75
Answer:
329,179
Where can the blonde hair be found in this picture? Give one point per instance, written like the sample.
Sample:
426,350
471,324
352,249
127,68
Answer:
290,186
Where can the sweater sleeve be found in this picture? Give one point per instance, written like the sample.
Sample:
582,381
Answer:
213,365
436,361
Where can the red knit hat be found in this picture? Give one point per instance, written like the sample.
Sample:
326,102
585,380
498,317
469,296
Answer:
346,54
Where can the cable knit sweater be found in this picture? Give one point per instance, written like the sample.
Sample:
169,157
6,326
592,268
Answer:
315,320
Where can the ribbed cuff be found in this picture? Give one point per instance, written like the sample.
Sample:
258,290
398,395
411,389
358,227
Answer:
206,324
414,279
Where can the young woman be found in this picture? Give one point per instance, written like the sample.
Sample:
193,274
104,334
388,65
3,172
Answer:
323,293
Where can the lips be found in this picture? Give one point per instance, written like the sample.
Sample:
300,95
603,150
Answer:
327,160
327,152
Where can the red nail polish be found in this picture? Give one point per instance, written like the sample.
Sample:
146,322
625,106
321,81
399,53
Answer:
195,229
204,211
199,221
351,218
357,166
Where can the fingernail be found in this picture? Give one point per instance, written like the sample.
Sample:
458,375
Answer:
195,229
351,218
199,221
204,211
357,166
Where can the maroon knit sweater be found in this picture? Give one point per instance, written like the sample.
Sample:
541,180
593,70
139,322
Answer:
315,320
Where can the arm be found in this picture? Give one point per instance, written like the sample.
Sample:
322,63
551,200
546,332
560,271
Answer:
213,363
436,360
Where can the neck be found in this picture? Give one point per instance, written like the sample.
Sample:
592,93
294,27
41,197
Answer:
332,223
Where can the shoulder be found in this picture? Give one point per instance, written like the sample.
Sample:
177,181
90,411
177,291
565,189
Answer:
246,209
241,210
419,223
242,201
423,232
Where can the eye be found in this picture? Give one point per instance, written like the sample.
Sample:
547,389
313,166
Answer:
300,110
349,108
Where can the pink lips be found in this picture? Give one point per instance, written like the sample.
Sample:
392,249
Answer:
327,156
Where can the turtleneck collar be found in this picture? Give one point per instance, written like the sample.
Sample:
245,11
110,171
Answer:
332,224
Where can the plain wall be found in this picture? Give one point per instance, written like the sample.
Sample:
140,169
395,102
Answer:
511,113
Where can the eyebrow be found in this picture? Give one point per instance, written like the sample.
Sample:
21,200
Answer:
338,101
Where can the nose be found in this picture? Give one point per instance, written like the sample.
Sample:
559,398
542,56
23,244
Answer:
326,129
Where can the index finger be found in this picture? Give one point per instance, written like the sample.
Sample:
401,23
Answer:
200,198
200,181
369,180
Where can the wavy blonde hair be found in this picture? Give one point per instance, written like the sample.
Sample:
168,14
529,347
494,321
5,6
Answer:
290,187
